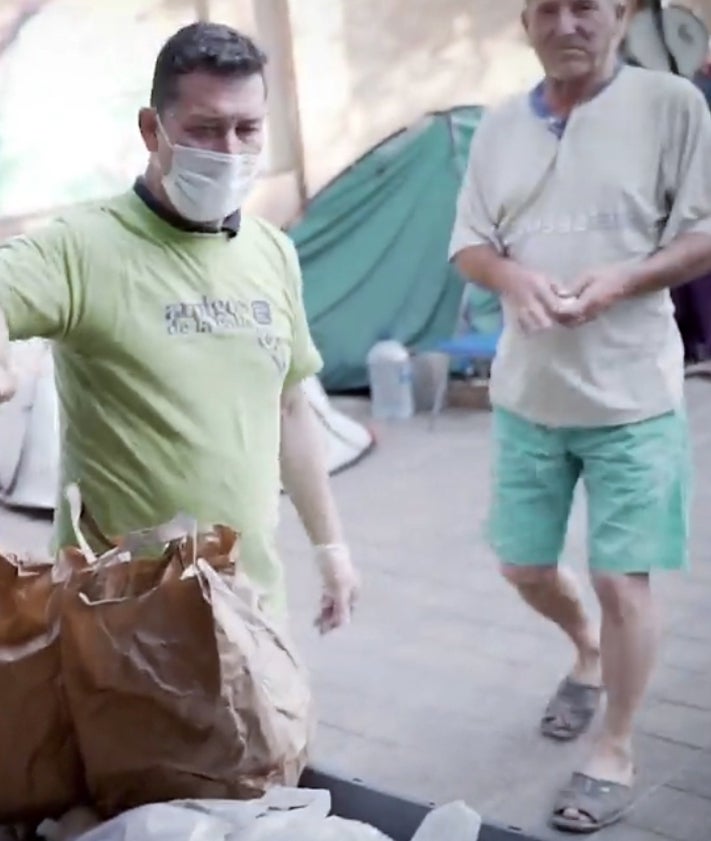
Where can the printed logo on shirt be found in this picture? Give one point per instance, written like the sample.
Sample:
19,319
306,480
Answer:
209,315
262,312
218,316
278,350
582,222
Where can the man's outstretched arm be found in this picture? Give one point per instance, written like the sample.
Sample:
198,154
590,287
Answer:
39,274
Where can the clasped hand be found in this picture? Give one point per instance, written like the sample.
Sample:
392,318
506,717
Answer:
539,303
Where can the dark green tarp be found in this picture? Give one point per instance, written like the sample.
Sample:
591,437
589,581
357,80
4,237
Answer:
373,246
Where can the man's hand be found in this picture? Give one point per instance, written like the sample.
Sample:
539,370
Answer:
534,299
594,292
341,587
305,477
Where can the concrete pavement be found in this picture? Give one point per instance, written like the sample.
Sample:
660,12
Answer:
436,689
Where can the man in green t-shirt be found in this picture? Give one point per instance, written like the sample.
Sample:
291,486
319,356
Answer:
179,330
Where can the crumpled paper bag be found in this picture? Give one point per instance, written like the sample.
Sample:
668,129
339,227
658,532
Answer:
40,767
178,683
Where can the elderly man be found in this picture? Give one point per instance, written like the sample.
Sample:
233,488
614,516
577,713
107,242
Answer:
180,333
584,202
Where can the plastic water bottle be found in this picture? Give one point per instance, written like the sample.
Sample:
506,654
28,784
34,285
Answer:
390,374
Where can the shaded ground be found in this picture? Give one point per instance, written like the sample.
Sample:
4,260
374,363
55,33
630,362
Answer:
436,689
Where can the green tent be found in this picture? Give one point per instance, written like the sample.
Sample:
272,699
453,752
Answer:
373,247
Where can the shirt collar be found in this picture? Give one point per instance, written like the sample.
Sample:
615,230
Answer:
230,225
540,107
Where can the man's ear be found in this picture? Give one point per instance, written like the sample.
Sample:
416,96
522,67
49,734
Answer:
148,126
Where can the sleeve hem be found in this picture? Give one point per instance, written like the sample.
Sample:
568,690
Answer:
460,243
699,226
303,372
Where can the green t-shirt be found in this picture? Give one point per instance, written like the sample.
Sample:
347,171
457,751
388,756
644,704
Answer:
172,350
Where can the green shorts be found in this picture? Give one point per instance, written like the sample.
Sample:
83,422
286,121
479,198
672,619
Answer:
637,479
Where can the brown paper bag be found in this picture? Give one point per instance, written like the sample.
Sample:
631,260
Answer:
40,770
178,684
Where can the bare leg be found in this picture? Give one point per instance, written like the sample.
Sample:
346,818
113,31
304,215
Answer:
628,644
630,633
554,593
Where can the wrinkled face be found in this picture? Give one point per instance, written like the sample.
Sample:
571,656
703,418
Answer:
210,112
573,38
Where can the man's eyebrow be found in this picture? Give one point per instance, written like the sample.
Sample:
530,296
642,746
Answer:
212,117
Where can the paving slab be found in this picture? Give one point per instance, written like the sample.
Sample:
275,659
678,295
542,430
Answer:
436,689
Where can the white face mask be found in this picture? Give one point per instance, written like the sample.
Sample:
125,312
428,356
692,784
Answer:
206,186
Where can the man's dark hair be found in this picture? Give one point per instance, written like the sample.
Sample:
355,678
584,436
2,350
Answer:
208,47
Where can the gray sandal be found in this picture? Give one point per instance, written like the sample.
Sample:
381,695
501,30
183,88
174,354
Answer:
571,710
599,803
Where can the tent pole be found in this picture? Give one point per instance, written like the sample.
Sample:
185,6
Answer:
286,144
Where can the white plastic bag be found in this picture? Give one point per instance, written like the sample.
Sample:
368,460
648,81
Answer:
336,829
216,820
455,822
284,814
330,829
